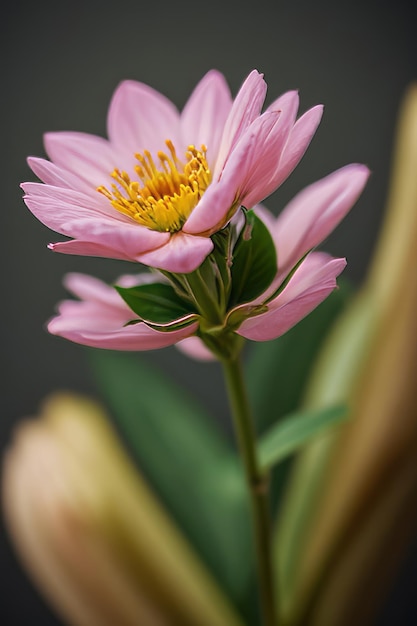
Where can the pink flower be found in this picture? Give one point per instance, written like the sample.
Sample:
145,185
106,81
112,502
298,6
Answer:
163,182
102,317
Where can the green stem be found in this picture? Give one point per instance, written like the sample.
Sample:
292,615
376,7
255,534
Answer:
257,482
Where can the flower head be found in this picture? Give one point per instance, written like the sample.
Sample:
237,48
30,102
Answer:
164,182
240,290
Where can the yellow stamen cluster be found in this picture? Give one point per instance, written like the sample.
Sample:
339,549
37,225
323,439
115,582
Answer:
166,193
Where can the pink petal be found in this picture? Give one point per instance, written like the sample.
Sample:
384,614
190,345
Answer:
245,109
113,239
59,216
297,143
87,248
211,212
52,174
140,118
135,337
92,289
310,285
91,158
196,349
288,101
181,254
133,280
205,113
101,307
259,182
312,215
85,202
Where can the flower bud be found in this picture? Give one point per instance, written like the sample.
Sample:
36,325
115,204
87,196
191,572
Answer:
92,535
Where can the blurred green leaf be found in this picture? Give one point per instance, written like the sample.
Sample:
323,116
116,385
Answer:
254,261
333,377
277,371
295,430
186,459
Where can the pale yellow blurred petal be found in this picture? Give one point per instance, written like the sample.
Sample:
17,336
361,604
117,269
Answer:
91,533
353,467
49,524
371,553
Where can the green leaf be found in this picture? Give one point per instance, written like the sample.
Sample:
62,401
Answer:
254,261
278,371
186,459
294,431
155,302
334,375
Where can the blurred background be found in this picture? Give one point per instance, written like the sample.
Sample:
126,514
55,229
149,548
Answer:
61,62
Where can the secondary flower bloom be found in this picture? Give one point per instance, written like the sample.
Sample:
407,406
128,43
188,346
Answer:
164,181
103,319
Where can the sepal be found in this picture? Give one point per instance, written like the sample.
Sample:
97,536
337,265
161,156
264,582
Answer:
254,261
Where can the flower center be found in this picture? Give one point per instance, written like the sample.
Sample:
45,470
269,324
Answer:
166,192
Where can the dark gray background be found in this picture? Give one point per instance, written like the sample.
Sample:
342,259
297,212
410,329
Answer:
60,64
